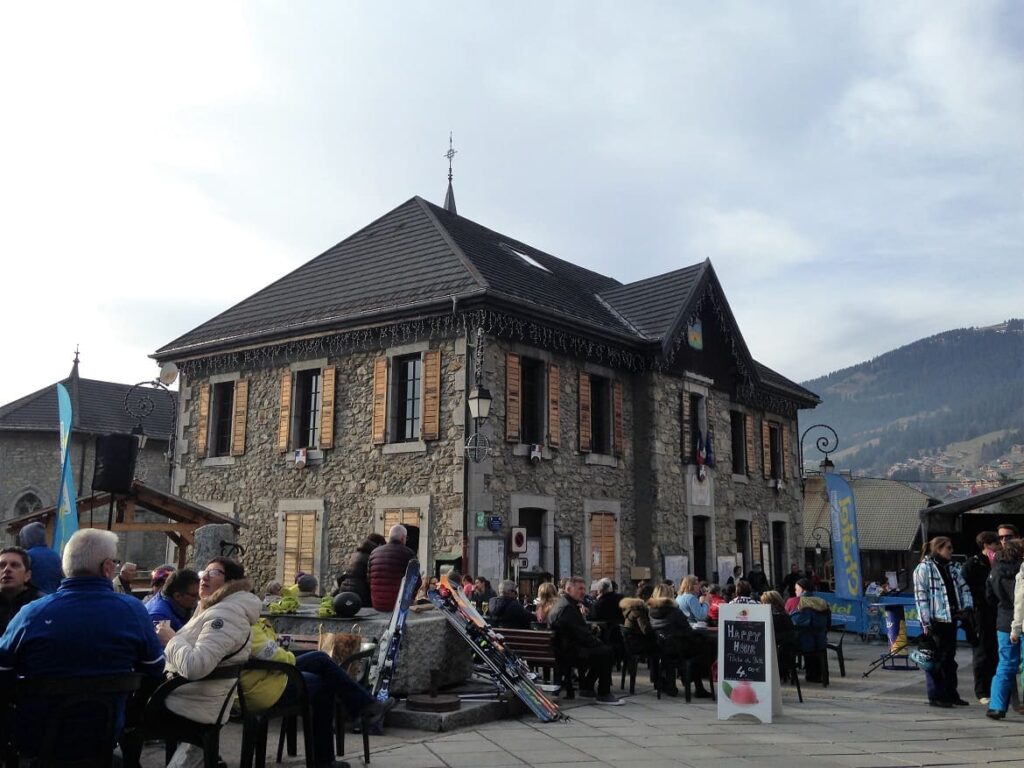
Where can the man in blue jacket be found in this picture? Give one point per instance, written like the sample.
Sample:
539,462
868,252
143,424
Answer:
83,629
46,568
176,601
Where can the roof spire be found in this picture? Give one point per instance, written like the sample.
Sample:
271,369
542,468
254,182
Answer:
74,367
449,198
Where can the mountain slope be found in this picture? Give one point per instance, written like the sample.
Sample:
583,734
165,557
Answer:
918,399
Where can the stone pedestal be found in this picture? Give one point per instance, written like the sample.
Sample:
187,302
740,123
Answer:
427,643
207,543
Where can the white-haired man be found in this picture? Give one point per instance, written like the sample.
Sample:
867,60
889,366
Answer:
386,567
81,630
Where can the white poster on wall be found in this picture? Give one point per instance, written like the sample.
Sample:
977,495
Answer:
490,559
676,567
725,565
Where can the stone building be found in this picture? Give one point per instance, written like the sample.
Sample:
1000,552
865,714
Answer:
30,449
630,426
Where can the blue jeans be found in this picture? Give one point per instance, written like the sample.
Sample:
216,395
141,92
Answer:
1006,672
325,682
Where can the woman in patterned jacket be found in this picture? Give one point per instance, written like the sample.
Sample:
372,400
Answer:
941,594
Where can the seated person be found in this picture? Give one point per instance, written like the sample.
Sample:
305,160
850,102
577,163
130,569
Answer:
84,629
801,587
576,643
506,611
16,589
309,589
225,628
743,593
715,599
691,600
811,619
425,586
782,624
177,600
547,596
640,639
680,641
606,606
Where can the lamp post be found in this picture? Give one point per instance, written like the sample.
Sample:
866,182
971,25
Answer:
827,444
479,401
139,404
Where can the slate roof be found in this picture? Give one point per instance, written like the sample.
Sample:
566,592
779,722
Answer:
887,512
420,258
98,407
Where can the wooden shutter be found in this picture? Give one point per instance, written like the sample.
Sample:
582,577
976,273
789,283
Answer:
204,419
619,435
299,544
785,449
554,412
585,431
513,404
602,546
239,411
284,419
327,399
685,439
401,516
380,399
430,424
766,447
748,436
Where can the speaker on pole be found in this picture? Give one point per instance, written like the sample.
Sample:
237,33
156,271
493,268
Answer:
114,469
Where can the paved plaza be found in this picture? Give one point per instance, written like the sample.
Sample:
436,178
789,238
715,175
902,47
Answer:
883,720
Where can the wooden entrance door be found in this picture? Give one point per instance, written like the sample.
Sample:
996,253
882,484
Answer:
603,527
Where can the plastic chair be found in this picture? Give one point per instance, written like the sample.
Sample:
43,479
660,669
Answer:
162,724
256,722
636,647
103,696
838,649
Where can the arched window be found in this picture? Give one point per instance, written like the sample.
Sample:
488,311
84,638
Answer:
26,504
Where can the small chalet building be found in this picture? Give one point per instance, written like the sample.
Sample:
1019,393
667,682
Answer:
629,425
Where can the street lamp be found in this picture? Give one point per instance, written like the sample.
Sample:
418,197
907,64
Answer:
816,533
827,444
138,403
479,402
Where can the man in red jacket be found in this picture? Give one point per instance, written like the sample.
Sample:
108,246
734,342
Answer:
386,568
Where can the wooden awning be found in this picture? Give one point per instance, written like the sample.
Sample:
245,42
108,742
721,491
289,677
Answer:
94,511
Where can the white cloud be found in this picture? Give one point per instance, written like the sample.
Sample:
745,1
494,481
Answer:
747,244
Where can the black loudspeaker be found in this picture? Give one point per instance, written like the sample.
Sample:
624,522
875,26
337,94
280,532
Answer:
114,469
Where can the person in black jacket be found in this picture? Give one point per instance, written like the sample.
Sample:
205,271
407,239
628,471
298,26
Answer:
678,642
505,610
999,588
606,607
985,654
355,578
576,642
386,568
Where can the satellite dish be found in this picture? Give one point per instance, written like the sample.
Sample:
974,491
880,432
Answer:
168,374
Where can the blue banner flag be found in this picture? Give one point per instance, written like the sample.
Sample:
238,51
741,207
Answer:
845,543
67,507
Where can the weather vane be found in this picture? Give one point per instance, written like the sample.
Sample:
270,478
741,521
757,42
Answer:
450,154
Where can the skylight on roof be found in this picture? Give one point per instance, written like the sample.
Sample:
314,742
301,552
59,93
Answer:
528,259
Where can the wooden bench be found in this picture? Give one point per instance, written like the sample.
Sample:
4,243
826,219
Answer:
534,646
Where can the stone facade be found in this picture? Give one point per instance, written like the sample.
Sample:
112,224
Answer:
651,489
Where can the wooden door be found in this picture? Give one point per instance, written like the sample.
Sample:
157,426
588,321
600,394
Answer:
602,546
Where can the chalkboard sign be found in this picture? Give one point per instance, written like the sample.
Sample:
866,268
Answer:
744,656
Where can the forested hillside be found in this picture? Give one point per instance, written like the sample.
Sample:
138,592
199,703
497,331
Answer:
920,398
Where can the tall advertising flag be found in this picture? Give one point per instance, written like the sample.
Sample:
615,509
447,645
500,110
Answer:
845,544
67,507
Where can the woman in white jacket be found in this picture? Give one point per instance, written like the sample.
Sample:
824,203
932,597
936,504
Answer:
218,634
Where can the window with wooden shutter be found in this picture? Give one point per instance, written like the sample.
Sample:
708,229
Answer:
327,401
299,544
785,451
431,423
284,420
380,400
554,413
239,415
585,426
203,427
619,439
766,448
512,395
602,546
684,426
748,428
401,516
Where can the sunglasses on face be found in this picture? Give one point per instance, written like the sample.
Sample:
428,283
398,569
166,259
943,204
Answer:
210,573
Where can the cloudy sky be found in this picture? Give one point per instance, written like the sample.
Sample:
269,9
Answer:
853,170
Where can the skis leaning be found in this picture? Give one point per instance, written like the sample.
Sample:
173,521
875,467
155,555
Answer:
508,670
382,671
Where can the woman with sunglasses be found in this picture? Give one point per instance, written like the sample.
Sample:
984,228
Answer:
940,594
217,635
